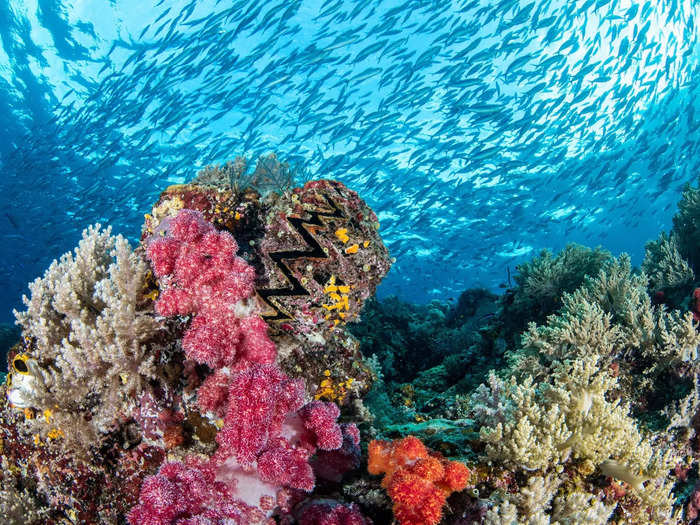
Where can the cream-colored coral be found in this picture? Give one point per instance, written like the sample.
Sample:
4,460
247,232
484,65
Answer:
570,418
609,316
91,329
536,504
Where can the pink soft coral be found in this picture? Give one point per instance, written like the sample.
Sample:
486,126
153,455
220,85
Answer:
259,400
268,434
331,465
268,426
200,274
329,512
188,494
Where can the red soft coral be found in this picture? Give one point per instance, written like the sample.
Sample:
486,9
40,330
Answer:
418,481
268,434
268,426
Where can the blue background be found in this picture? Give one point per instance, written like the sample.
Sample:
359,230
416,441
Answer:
479,131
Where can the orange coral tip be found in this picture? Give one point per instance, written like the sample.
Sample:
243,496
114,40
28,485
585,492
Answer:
456,476
429,468
409,449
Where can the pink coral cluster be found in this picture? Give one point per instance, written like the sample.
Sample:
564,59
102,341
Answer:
269,434
200,274
189,494
329,512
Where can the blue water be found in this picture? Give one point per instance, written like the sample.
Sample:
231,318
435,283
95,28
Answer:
480,131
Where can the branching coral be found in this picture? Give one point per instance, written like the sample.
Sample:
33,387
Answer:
668,272
91,328
572,419
611,316
686,226
530,506
541,282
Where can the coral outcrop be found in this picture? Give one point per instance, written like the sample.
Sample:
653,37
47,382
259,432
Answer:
208,346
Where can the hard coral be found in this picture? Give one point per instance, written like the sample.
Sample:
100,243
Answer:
418,481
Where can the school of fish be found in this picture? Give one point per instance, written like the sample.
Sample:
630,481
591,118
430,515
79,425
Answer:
481,131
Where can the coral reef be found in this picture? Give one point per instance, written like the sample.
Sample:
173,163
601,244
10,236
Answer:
568,425
234,367
612,316
129,357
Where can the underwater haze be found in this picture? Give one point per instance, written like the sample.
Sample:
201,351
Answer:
480,131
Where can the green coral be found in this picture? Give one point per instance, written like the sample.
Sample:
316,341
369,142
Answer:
575,417
541,283
612,317
686,226
666,269
607,381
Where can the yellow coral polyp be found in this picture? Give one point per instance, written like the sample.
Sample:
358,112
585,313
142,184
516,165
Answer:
337,293
342,234
330,391
19,364
55,433
352,249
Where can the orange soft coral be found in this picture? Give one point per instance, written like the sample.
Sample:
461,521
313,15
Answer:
417,480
